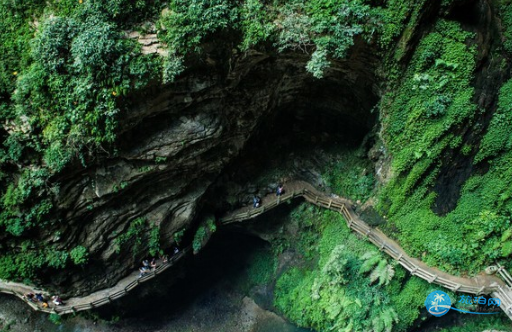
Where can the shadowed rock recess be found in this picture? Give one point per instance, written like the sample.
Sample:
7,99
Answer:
176,143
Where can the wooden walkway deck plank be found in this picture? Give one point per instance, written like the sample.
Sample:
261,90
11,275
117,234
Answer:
481,284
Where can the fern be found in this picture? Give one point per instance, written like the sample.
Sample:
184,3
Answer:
389,316
384,322
384,272
377,324
371,258
381,270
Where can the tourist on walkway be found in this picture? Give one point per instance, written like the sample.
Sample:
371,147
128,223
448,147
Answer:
39,297
176,250
256,201
30,297
153,264
57,300
143,271
164,258
280,190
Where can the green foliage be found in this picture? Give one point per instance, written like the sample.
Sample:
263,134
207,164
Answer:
350,176
32,182
178,236
55,319
62,88
79,71
505,12
478,323
331,291
154,241
188,22
6,326
79,255
31,258
380,269
15,35
255,23
210,223
328,25
437,107
160,160
318,63
475,233
499,136
125,13
134,235
199,237
56,258
172,67
202,234
434,98
394,16
261,267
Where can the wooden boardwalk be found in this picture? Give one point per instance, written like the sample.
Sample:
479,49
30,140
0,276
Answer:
93,300
479,285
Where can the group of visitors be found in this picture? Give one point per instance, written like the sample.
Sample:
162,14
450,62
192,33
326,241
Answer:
39,298
148,266
256,200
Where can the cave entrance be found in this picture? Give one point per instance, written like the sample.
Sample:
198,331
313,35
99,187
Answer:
322,113
211,293
310,123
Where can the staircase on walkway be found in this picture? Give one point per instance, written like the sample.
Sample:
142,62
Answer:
479,285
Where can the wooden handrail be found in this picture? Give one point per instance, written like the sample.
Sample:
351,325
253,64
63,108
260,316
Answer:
353,222
381,242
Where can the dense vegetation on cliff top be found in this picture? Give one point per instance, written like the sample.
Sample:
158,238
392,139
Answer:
68,71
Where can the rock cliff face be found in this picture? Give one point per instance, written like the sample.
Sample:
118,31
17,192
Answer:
179,141
176,142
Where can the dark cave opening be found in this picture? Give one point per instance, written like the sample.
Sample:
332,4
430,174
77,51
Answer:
205,290
308,126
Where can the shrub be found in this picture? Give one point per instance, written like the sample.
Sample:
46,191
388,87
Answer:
134,234
256,23
154,241
188,21
55,319
79,255
199,237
